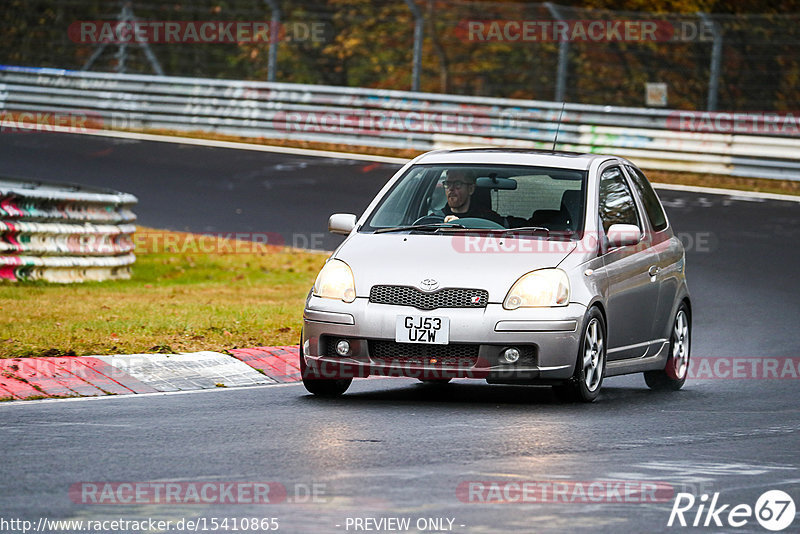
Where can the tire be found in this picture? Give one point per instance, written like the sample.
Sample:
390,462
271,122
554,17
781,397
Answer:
590,367
673,376
322,387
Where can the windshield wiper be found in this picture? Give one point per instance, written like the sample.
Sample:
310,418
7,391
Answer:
524,229
434,226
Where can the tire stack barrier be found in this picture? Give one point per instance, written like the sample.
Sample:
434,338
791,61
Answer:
64,233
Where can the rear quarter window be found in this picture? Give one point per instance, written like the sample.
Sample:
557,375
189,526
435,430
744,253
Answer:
655,212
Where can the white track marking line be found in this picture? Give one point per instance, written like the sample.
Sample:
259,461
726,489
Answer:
139,395
22,402
730,192
366,157
226,144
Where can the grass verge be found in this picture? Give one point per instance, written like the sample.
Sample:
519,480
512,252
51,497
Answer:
187,293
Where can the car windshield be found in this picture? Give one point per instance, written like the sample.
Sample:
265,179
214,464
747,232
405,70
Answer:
536,201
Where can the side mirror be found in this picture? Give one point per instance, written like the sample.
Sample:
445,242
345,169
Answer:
342,223
622,235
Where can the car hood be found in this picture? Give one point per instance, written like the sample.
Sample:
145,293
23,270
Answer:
490,263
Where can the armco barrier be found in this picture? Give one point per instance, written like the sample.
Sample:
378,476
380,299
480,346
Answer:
63,233
654,138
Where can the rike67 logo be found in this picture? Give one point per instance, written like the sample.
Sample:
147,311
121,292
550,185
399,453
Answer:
774,510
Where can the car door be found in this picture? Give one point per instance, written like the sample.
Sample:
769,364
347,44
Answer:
668,247
632,295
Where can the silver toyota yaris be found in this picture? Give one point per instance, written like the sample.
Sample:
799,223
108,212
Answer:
513,266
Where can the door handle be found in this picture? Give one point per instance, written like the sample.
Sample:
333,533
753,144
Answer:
654,270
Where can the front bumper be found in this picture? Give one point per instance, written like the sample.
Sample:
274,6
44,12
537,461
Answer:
548,339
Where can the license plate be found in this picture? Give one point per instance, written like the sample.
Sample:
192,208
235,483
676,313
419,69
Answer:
422,329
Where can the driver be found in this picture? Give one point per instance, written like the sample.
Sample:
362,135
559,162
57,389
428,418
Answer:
459,187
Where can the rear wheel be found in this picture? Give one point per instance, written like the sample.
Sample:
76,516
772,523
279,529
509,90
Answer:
673,376
319,385
584,386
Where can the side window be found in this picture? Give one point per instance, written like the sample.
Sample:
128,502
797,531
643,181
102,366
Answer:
616,202
655,212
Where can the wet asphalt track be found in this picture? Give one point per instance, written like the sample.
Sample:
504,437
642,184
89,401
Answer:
395,448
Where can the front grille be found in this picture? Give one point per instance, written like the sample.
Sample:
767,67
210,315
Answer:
455,355
450,297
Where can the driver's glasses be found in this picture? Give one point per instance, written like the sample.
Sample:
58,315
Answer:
453,185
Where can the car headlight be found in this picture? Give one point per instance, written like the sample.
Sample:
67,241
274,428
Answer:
335,281
542,288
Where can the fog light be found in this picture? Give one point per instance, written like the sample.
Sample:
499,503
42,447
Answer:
511,355
343,347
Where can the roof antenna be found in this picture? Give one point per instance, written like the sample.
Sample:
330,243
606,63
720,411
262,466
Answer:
558,126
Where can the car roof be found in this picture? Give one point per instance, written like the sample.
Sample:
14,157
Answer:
513,156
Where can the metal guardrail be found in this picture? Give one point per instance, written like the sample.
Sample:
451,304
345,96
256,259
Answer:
653,138
63,233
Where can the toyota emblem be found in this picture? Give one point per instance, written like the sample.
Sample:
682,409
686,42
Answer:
429,284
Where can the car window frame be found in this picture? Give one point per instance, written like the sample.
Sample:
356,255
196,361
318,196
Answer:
641,201
367,228
643,225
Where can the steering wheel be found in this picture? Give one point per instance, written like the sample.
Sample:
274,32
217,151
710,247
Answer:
429,219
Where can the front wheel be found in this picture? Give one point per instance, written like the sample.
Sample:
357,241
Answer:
673,376
319,385
584,386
